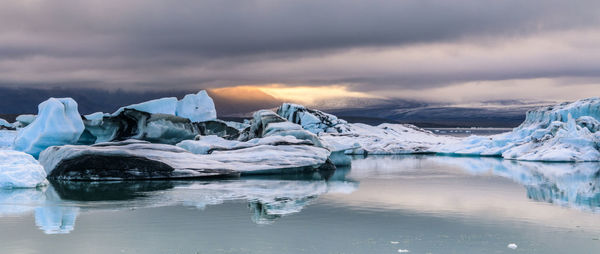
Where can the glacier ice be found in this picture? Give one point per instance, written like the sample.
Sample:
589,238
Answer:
134,159
208,144
567,132
20,170
158,128
7,138
266,123
24,120
158,106
313,120
58,123
196,107
362,139
272,159
130,159
5,125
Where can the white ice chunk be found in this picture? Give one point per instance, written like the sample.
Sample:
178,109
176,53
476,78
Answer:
26,119
384,139
341,136
566,132
197,107
5,124
20,170
159,106
7,138
97,116
207,144
58,123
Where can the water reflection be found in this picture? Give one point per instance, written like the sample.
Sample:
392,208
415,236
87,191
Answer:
269,198
51,216
573,185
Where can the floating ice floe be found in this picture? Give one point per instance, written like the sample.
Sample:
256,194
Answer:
24,120
209,144
20,170
267,123
566,132
5,125
362,138
131,159
7,138
134,159
315,121
58,123
196,107
156,128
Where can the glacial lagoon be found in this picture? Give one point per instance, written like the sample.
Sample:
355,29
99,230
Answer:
387,204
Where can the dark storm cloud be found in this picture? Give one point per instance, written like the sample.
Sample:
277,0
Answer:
149,43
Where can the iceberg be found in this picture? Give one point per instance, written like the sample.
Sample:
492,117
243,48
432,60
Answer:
208,144
24,120
58,123
313,120
134,124
20,170
275,159
7,138
135,159
158,106
362,139
269,155
223,129
567,132
157,128
267,123
130,159
5,125
196,107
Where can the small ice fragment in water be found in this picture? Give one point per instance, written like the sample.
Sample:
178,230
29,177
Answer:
512,246
394,242
403,251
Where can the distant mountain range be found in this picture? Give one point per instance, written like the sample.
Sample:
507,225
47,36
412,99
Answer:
239,102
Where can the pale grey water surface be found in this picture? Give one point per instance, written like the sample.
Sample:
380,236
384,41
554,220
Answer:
420,204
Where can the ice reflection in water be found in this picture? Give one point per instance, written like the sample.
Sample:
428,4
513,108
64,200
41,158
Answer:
573,185
51,215
269,198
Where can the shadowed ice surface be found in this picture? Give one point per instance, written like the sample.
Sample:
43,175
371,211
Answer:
421,204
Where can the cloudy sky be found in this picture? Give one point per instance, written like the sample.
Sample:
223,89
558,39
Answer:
452,51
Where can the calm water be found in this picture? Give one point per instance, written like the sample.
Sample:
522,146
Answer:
421,204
